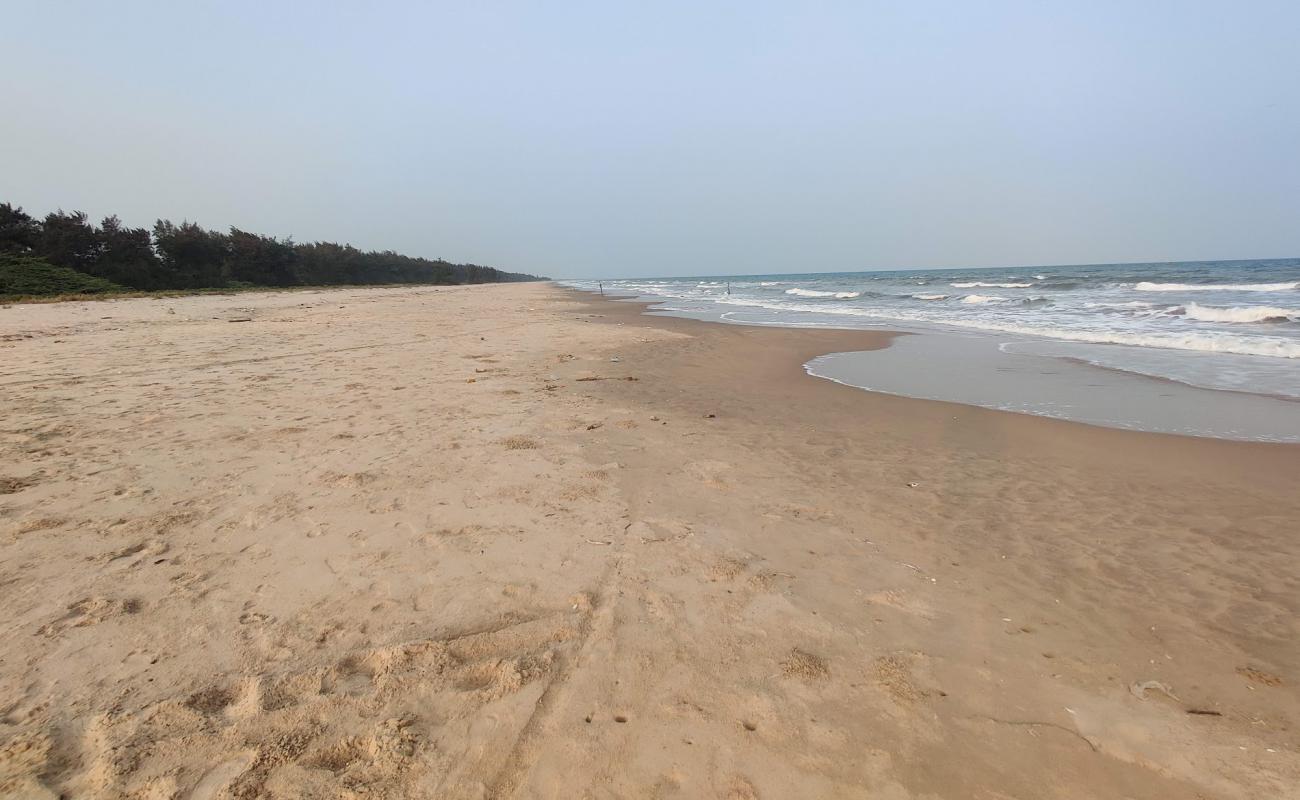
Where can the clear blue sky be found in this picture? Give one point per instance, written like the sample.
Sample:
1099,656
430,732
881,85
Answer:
608,139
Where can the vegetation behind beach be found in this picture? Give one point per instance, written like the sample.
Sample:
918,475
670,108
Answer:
65,253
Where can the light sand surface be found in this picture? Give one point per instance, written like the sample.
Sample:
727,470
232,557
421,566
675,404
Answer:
508,541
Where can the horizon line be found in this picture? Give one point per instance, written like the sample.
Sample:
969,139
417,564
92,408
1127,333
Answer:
937,269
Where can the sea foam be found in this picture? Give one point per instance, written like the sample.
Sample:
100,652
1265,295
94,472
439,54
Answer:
1239,313
1147,286
815,293
1207,342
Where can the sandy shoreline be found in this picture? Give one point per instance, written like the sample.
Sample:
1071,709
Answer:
438,543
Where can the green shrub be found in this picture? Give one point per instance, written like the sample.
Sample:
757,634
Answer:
25,276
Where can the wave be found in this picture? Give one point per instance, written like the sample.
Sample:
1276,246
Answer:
1129,304
815,293
1202,341
768,283
1238,313
1207,342
1146,286
1164,321
983,285
1040,277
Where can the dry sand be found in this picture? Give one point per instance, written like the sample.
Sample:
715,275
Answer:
439,543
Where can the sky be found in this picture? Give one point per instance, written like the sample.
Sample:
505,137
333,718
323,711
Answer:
604,139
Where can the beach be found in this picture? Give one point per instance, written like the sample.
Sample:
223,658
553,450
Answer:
519,541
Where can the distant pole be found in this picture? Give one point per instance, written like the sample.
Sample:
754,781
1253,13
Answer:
728,287
602,288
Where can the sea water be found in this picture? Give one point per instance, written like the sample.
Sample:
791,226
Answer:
1220,327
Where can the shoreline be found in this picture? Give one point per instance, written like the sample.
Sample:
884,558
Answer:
514,541
845,344
1132,400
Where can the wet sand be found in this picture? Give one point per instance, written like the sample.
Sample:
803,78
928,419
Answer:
512,541
976,370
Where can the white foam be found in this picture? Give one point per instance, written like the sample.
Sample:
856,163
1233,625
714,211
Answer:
1109,318
1202,341
815,293
983,285
768,283
1206,342
1146,286
1040,277
1239,313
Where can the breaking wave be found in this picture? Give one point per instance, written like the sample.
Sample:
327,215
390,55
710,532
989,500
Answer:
815,293
1239,313
1147,286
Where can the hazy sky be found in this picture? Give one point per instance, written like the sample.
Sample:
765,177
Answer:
616,139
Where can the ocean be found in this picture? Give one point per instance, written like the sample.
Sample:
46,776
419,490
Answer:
1216,325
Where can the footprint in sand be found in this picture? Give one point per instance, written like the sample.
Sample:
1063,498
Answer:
215,780
658,531
894,673
726,568
90,611
14,485
267,733
709,472
805,666
254,618
145,549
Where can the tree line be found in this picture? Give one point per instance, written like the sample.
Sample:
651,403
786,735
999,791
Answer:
36,256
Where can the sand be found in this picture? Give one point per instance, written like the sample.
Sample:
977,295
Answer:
509,541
